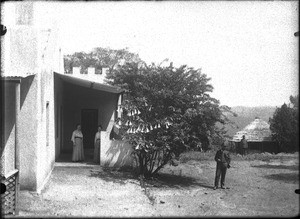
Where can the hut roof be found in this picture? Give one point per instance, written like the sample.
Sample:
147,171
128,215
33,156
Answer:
256,131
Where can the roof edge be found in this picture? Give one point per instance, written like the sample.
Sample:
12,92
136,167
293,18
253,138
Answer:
90,84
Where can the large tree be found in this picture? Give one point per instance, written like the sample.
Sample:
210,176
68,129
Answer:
166,111
285,125
98,58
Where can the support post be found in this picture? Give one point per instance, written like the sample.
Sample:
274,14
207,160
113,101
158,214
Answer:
17,147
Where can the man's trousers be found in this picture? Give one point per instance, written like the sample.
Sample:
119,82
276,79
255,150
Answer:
220,171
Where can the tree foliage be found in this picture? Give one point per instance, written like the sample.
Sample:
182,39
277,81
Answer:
165,111
285,125
98,58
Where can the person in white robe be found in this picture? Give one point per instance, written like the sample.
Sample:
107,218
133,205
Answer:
77,139
97,145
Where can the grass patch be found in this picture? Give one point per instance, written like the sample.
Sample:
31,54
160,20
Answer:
197,156
210,155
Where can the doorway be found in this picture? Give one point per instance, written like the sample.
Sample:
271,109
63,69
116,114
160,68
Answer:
89,123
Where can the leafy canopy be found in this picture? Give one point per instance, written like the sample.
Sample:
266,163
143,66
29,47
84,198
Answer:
285,125
99,58
166,111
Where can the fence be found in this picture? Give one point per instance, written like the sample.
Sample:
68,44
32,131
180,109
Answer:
10,196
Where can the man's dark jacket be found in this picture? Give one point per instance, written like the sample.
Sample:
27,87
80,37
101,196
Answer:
223,157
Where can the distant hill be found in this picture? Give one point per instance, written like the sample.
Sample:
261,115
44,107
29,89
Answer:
246,115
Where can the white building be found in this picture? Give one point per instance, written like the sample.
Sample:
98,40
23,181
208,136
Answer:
42,105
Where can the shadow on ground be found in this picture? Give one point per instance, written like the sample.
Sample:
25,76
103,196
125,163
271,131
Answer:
66,157
115,176
166,180
285,167
163,180
285,177
71,168
86,161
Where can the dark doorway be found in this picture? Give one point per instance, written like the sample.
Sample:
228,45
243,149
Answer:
89,123
61,129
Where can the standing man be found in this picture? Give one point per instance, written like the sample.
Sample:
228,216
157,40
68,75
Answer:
223,162
244,145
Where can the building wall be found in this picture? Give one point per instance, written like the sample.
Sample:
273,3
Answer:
32,52
51,60
21,58
27,133
58,112
115,153
21,40
24,43
37,111
8,134
46,129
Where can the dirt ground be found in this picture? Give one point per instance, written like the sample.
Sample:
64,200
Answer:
257,188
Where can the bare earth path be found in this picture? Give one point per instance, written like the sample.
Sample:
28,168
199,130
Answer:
257,188
82,190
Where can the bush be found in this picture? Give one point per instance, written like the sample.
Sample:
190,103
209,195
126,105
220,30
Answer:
165,111
285,126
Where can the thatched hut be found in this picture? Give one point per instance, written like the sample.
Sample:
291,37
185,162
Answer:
258,135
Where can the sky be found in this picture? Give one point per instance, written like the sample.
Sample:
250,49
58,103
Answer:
248,49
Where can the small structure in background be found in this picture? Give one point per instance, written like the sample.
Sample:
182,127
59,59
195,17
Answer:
258,136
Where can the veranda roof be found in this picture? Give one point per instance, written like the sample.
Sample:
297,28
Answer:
89,84
256,131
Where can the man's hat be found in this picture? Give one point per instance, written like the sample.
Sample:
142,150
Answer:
225,143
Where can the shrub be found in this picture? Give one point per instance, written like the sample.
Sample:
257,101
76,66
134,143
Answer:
166,111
